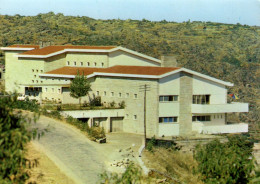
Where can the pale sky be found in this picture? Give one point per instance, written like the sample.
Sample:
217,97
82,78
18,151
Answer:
224,11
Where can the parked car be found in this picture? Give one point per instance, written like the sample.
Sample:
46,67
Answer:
21,97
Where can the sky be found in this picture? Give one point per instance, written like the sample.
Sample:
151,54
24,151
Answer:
224,11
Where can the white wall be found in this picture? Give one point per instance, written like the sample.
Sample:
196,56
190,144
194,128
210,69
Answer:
217,92
124,58
168,129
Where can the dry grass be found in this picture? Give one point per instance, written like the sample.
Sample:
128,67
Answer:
46,172
173,163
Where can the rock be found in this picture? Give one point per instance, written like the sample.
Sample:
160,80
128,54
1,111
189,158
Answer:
120,150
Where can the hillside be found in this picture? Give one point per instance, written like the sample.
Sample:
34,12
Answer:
225,51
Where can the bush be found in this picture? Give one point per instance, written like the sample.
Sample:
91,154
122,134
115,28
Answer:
97,133
112,104
228,162
121,105
95,101
151,144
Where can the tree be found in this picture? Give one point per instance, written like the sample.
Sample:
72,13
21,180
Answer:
79,87
229,162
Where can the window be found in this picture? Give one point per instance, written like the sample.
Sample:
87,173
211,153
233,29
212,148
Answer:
75,63
37,70
201,99
46,89
127,95
168,98
126,116
168,119
120,95
32,81
200,118
37,81
135,117
68,63
41,71
135,95
112,93
34,76
97,93
32,70
52,89
88,64
81,63
59,91
95,64
102,64
105,93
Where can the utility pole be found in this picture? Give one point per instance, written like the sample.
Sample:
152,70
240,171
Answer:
144,88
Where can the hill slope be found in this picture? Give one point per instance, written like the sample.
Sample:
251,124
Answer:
225,51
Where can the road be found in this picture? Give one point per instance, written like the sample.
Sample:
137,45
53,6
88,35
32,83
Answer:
70,150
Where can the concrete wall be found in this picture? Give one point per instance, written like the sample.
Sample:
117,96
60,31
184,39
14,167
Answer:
134,106
54,62
185,100
124,58
169,129
21,72
99,60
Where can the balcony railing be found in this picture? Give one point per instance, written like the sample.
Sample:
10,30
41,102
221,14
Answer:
219,108
220,129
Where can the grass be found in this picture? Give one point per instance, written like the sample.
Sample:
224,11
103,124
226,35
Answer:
175,164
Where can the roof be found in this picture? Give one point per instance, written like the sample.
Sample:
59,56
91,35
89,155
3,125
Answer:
21,47
119,69
148,72
34,51
55,48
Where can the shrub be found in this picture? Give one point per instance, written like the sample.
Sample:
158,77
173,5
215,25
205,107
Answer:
95,101
151,144
132,174
112,104
121,105
226,162
96,133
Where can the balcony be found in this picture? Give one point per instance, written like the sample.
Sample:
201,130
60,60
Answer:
218,108
220,129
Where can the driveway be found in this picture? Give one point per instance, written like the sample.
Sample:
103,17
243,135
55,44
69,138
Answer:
78,157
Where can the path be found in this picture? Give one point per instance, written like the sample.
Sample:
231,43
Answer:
70,150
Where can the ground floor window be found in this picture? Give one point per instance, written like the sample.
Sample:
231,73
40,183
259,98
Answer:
168,119
201,118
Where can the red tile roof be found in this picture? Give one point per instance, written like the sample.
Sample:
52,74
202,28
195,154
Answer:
135,70
52,49
24,46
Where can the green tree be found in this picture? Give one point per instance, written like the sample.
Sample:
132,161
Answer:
229,162
14,136
79,87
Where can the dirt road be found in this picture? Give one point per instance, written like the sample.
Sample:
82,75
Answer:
70,150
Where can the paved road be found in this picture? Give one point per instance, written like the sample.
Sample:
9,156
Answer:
71,151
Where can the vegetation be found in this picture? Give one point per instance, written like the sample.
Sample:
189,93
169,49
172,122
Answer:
225,51
79,87
14,136
229,162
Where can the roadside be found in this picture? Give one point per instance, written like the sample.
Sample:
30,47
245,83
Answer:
46,171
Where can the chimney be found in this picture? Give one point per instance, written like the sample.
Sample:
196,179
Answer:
169,61
45,43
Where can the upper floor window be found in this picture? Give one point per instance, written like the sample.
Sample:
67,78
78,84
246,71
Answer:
81,63
201,118
88,64
135,95
102,64
32,70
201,99
95,64
168,119
112,93
127,95
75,63
168,98
135,117
68,63
105,93
97,93
120,95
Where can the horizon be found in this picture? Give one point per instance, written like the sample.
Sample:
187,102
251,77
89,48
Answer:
244,12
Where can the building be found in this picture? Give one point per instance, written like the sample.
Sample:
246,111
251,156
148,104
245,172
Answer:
179,101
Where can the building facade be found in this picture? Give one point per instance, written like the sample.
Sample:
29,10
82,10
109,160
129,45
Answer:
179,101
